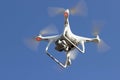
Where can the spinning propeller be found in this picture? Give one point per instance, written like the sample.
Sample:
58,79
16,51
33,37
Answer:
51,29
33,43
73,54
79,9
102,46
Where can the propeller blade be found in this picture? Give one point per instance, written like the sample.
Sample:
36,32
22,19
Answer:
80,9
53,11
31,43
102,46
51,29
97,25
96,31
73,54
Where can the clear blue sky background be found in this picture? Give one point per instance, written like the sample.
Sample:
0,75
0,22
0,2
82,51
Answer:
23,18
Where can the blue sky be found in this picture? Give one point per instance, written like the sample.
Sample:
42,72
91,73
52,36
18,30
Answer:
20,19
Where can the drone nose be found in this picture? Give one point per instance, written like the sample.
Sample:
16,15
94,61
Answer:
38,39
65,14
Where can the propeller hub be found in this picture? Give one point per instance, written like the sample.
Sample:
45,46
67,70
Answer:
98,39
65,14
38,39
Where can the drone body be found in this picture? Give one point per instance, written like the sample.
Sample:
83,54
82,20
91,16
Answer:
67,41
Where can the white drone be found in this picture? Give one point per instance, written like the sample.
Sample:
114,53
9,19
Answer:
67,41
